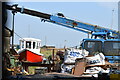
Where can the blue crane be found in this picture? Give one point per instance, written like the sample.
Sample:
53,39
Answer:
102,39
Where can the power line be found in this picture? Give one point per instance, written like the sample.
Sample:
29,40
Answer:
18,36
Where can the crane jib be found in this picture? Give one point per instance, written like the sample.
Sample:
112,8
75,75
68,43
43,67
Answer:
82,26
62,20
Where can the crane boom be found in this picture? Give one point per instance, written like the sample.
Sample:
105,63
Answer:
66,22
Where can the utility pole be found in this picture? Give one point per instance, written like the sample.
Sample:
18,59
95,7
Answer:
13,12
112,19
13,30
45,40
29,31
65,44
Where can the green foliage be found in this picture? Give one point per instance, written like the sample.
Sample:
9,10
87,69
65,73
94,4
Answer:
47,52
31,69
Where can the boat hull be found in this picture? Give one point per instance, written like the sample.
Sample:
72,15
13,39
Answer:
30,56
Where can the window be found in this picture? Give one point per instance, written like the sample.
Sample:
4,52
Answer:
112,47
91,44
22,44
116,45
37,45
33,45
28,44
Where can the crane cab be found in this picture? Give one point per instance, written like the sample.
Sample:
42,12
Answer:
108,46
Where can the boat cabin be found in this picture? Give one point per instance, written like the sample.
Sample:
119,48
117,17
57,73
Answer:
30,43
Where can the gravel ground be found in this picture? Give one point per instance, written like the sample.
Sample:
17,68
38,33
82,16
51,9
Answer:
50,76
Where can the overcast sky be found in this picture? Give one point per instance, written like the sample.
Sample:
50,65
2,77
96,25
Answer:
96,13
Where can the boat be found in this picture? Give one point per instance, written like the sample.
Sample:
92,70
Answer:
30,50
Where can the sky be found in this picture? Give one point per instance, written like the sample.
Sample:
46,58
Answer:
96,13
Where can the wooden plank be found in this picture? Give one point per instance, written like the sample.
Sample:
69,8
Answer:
79,67
27,64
